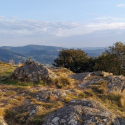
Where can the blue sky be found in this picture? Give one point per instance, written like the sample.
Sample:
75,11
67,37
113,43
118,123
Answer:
66,23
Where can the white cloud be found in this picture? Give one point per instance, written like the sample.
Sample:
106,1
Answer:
27,27
23,32
33,28
121,5
14,17
1,17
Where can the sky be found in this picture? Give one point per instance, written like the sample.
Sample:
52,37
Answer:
64,23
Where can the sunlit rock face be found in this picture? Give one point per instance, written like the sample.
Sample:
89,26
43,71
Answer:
83,111
32,72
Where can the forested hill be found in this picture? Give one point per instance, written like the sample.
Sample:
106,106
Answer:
43,56
29,48
8,55
40,53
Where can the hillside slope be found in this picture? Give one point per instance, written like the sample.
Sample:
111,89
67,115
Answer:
39,53
43,56
63,100
7,55
29,48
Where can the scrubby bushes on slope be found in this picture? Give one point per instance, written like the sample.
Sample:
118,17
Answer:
112,60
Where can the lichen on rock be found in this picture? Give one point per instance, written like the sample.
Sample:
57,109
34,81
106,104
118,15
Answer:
32,72
82,111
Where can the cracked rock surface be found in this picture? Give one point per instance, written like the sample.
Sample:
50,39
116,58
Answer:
116,83
82,112
44,94
32,72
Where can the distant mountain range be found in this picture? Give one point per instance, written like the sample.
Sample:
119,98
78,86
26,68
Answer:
40,53
29,48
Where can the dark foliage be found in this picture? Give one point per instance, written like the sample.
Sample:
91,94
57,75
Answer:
75,60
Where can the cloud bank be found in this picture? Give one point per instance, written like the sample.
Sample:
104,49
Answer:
30,27
121,5
20,32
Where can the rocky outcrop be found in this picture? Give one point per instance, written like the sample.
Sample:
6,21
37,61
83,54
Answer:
44,95
80,76
32,72
86,83
2,121
116,83
86,75
102,73
79,112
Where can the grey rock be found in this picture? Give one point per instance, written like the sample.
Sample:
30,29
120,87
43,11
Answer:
32,109
60,92
122,122
82,111
80,76
55,121
32,72
86,83
116,83
83,76
43,95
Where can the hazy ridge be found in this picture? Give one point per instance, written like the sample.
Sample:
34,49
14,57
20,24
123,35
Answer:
40,53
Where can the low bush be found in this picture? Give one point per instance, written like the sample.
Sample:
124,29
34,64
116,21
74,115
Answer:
61,82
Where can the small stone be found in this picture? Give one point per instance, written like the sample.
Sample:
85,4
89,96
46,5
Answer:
62,121
73,101
37,98
104,120
64,94
32,112
56,119
72,122
89,105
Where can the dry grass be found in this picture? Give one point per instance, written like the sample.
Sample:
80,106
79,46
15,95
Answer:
19,64
31,93
62,82
12,98
2,112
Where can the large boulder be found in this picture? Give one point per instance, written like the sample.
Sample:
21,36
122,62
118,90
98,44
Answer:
32,72
116,83
82,112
